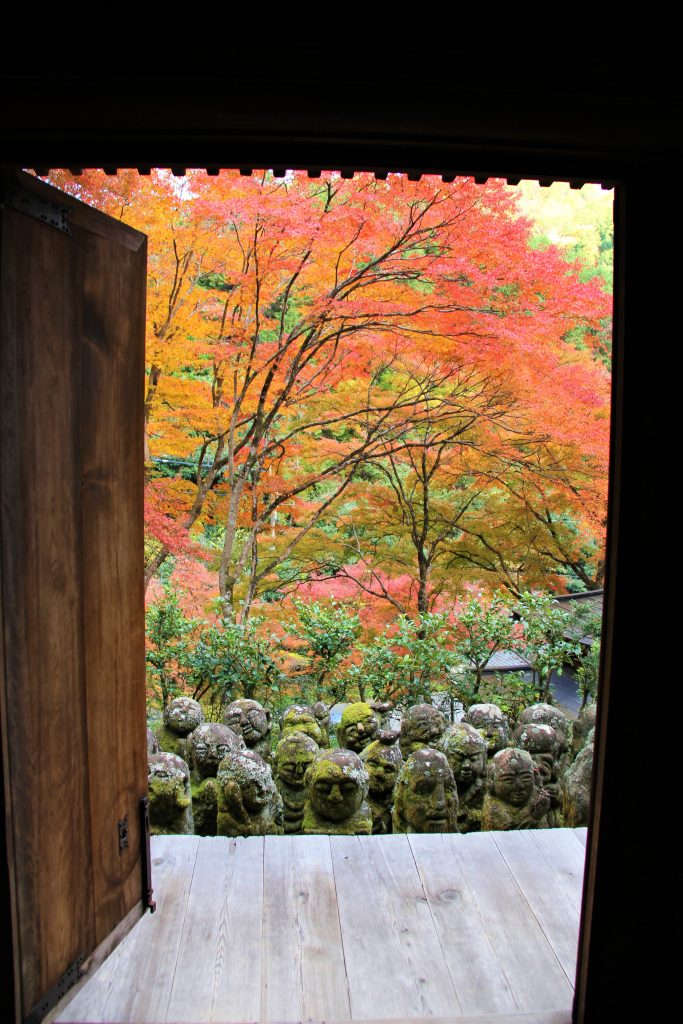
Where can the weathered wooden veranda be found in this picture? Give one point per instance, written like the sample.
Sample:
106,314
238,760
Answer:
320,928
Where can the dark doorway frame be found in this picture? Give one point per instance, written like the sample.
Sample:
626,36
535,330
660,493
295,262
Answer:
616,126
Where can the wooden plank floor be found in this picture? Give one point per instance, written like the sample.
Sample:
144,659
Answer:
373,928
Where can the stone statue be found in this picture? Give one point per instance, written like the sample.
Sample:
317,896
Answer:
252,722
582,726
209,743
466,752
291,760
382,709
336,791
322,717
490,721
170,802
576,786
357,727
425,797
421,726
543,743
248,802
514,798
382,762
152,743
546,714
301,718
181,716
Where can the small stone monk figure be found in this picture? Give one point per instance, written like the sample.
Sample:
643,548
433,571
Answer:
152,743
248,802
515,798
576,786
582,726
382,762
209,743
252,722
293,755
543,744
301,718
490,721
336,791
170,802
466,753
382,709
322,717
546,714
357,727
425,797
421,726
181,716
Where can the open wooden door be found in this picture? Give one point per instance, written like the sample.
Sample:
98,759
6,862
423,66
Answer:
72,700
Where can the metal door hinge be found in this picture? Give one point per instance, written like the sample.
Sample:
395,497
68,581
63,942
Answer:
147,890
51,998
123,832
35,206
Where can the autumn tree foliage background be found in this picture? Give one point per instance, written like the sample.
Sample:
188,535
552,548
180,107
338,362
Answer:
373,391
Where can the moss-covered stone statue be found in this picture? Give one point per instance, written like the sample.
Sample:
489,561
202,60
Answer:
543,743
466,752
575,786
322,717
170,801
252,722
248,802
293,755
581,727
514,798
425,797
547,714
181,716
422,725
490,721
382,762
208,745
301,718
152,743
357,727
383,710
336,791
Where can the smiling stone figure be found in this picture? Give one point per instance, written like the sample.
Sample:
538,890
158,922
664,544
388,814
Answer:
422,725
181,716
248,802
336,791
170,802
252,722
209,743
466,751
382,762
425,798
515,798
357,727
293,755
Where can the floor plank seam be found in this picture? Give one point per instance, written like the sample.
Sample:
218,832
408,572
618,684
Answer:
182,931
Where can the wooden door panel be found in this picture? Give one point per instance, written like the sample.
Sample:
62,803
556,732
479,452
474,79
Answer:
72,686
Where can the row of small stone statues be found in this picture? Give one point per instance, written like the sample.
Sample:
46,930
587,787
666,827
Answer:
224,779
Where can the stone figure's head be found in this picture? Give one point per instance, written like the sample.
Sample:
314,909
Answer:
466,752
248,719
152,742
209,743
168,780
382,763
582,726
357,727
337,784
322,715
246,783
513,776
301,718
182,715
490,721
293,755
426,798
543,744
421,726
546,714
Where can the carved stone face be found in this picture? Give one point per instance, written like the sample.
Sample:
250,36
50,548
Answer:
337,784
426,796
546,714
490,721
421,726
513,778
358,726
209,744
182,715
466,752
168,780
322,715
300,718
293,756
249,719
245,772
542,742
382,763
